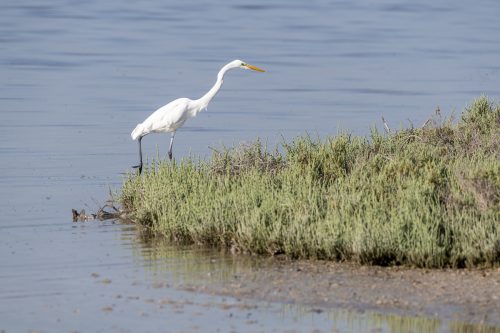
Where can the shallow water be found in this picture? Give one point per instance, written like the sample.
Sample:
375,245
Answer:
77,76
103,277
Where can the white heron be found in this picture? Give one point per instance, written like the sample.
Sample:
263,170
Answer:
172,116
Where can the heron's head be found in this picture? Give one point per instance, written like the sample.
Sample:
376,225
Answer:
244,65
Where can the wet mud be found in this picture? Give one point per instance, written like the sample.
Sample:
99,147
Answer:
466,295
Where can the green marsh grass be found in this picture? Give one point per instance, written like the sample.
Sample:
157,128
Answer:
426,197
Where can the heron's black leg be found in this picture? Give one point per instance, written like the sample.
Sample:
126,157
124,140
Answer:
170,148
140,156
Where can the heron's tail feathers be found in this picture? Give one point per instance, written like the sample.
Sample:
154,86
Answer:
137,132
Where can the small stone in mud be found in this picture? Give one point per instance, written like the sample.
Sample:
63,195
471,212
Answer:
106,281
225,306
166,301
94,275
107,309
133,297
158,285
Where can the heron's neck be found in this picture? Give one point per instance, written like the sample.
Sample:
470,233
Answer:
203,101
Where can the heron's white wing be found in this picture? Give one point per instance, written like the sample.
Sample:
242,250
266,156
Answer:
169,117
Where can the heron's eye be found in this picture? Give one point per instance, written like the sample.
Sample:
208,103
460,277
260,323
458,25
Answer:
243,64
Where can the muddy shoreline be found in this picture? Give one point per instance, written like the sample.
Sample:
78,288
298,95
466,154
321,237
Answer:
470,296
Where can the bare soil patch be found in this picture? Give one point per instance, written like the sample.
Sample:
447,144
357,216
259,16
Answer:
464,295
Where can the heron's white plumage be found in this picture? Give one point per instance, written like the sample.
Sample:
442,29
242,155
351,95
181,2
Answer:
170,117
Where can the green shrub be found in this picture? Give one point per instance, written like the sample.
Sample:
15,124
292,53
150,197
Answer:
426,196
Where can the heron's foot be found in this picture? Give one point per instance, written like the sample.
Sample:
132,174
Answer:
138,167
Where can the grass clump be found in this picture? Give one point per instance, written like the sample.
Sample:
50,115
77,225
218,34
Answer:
427,197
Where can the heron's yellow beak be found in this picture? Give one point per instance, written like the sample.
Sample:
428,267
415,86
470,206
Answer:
254,68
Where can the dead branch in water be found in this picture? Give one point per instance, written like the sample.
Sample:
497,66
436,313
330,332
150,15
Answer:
107,212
